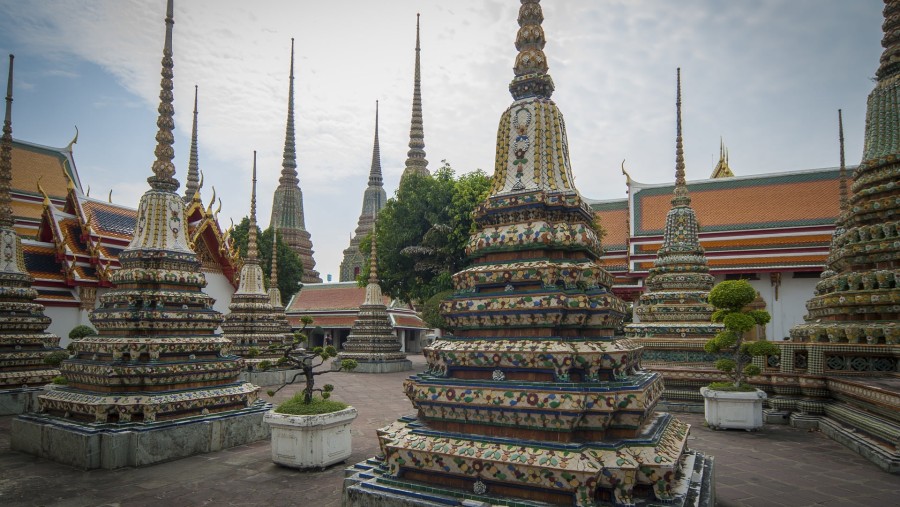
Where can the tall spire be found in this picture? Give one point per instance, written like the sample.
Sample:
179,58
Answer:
192,184
415,157
163,168
251,235
273,275
375,172
6,215
289,160
531,67
843,172
681,197
373,259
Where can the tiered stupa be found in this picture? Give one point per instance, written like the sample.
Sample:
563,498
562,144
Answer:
533,398
372,341
287,206
415,157
252,324
192,181
674,312
373,200
23,343
284,326
156,383
847,354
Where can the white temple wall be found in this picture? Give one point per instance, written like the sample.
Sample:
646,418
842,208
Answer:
790,307
218,286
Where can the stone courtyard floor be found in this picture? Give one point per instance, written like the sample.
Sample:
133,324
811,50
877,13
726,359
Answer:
776,466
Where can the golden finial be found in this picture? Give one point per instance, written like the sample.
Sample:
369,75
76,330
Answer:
110,196
73,141
211,202
627,176
41,190
216,214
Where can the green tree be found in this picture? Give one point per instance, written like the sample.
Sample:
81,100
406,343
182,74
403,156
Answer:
729,298
423,230
290,267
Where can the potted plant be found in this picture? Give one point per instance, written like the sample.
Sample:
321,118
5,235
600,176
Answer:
736,404
310,431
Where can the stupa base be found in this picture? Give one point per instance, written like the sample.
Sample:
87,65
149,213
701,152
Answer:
19,400
367,485
91,446
387,366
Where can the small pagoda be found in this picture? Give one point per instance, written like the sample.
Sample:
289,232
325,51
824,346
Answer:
288,218
532,400
24,344
157,383
372,341
374,199
674,313
252,324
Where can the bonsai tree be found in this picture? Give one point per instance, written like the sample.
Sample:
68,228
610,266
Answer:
80,331
729,299
307,361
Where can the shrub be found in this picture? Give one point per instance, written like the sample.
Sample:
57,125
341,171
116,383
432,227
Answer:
297,406
264,365
56,358
60,380
79,332
729,298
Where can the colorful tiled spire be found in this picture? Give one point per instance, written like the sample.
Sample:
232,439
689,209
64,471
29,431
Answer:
681,197
23,342
287,207
274,292
533,353
192,185
373,200
156,308
843,171
415,157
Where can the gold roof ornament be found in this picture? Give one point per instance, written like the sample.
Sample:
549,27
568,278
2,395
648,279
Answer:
722,169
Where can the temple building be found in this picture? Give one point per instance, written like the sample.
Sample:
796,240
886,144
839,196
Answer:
373,200
72,241
287,207
675,316
24,342
334,308
415,157
372,342
157,373
777,238
533,400
838,373
252,324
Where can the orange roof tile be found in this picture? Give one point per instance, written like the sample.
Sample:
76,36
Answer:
31,162
329,296
327,321
408,321
613,218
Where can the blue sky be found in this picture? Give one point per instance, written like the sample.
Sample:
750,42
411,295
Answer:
768,75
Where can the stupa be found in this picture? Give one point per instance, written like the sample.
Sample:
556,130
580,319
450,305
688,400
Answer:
252,324
156,383
24,344
372,341
275,294
373,200
287,206
533,401
192,181
415,157
674,313
839,371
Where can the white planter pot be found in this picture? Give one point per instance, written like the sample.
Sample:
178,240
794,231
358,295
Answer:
737,410
311,441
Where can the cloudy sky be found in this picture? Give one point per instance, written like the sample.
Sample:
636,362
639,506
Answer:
767,75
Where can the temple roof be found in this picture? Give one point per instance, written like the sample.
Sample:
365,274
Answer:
334,305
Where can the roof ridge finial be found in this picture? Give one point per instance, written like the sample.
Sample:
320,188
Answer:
375,178
273,275
191,185
843,171
531,78
6,215
415,157
251,234
163,169
289,160
681,197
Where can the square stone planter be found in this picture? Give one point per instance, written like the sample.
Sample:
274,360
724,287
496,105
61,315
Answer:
311,441
733,409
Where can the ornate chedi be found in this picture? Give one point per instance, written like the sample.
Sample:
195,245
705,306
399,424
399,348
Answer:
532,397
839,371
192,181
287,206
23,343
372,341
373,200
252,324
284,326
156,373
674,313
415,157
